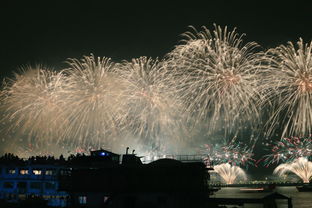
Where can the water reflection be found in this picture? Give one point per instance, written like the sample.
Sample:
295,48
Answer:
299,199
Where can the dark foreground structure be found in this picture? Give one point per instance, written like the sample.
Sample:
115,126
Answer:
162,183
105,179
102,179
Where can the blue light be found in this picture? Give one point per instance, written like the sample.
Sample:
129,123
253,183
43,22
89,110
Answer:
103,154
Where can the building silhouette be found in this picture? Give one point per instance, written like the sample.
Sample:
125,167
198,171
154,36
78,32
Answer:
103,179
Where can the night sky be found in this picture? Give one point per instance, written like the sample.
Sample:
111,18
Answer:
49,32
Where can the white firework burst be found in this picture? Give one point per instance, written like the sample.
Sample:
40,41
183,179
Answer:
31,103
301,167
91,101
230,173
151,109
290,89
219,76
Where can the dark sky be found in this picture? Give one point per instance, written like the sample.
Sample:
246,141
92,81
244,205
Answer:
51,31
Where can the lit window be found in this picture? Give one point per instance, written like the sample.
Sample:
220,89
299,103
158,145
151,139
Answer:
82,199
65,172
49,172
23,172
11,171
22,196
37,172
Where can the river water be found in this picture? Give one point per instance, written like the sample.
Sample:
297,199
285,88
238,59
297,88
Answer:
299,199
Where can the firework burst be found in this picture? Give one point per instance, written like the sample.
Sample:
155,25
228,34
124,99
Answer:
219,76
301,167
31,103
230,173
152,109
232,153
289,149
291,89
91,101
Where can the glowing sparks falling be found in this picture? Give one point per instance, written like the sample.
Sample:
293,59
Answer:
220,76
91,100
301,167
230,173
151,109
94,101
291,88
31,98
212,83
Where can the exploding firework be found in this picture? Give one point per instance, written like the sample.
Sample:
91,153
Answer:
230,173
291,89
152,111
91,101
219,77
301,167
232,153
289,149
211,80
31,103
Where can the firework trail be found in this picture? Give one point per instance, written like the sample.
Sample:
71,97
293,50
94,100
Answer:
31,103
233,153
219,77
91,101
152,111
230,173
301,167
289,149
290,81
